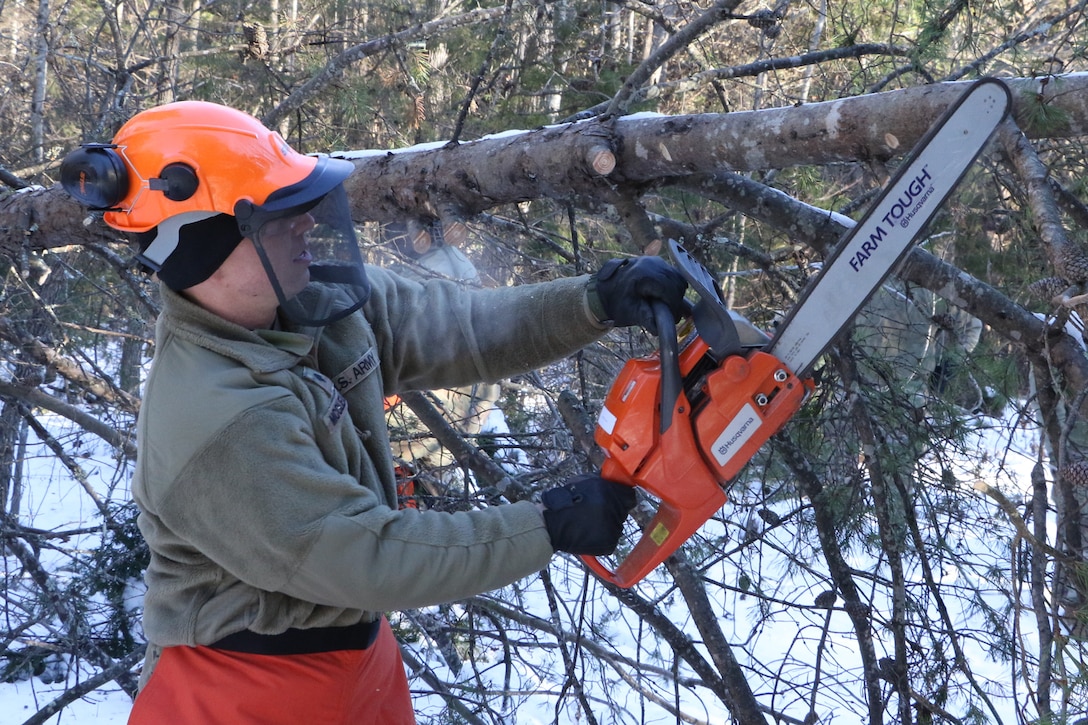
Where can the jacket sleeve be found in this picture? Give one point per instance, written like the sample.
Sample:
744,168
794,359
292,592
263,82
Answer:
441,334
262,503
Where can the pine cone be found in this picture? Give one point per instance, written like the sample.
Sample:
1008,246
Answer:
763,19
1046,289
1076,472
770,517
997,221
256,40
944,320
1072,263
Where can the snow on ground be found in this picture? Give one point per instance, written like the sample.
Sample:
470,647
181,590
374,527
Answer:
52,501
1007,454
20,700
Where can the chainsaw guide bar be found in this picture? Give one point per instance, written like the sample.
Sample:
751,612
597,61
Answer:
872,249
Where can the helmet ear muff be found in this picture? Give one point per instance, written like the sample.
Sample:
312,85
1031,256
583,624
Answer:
176,181
95,175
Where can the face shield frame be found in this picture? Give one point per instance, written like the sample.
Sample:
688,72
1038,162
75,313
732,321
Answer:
330,240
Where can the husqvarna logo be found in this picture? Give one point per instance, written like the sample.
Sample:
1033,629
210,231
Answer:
736,434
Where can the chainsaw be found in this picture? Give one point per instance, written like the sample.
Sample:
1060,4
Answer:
682,423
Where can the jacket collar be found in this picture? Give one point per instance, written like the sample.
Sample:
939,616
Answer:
263,351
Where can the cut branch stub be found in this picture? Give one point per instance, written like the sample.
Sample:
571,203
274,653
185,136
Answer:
601,160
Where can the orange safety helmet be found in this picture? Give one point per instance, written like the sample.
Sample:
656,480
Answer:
190,156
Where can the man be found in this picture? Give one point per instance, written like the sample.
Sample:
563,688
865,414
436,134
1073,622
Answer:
264,476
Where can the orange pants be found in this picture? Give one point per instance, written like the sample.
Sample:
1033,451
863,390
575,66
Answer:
206,686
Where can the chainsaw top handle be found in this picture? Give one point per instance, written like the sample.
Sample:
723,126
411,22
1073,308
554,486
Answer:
671,379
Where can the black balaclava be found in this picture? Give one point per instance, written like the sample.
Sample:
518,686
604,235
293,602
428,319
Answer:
202,247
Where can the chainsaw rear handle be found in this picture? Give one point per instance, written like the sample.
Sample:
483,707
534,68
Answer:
681,512
690,495
682,509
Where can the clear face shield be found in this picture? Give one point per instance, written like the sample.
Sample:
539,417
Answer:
312,242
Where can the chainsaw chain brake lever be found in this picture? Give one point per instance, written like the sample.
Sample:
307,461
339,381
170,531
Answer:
724,331
711,316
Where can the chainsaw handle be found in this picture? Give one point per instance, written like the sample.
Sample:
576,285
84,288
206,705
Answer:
682,509
678,515
672,382
691,497
670,527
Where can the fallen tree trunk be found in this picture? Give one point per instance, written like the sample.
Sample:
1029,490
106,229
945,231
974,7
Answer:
584,163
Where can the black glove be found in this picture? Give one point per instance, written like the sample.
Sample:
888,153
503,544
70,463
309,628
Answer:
627,287
585,515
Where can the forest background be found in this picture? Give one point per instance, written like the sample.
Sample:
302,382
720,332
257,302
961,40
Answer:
876,563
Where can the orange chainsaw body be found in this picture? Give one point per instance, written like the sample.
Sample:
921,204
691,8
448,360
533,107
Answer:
725,413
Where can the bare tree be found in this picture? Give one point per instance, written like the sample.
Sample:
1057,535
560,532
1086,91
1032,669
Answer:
869,562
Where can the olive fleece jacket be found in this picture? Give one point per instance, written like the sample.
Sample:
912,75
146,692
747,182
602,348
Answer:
264,475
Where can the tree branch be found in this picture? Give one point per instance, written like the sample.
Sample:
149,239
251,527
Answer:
556,162
856,609
490,472
66,614
822,229
66,367
1033,172
118,669
739,697
74,469
36,398
419,667
1022,530
678,42
697,80
336,66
